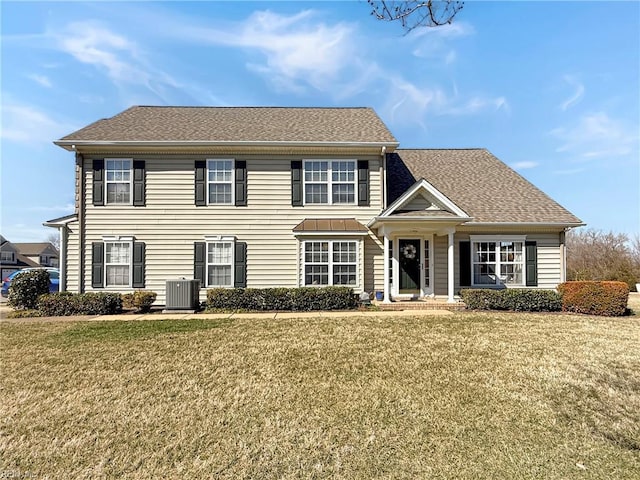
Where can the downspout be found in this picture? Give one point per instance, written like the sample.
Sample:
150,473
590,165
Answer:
383,154
80,212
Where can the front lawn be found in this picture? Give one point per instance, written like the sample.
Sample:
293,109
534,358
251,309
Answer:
465,396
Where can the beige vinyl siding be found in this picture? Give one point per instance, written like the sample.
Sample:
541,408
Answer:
72,258
170,223
440,270
549,259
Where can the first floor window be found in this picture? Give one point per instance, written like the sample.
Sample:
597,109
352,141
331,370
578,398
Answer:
498,263
117,264
220,264
118,180
330,262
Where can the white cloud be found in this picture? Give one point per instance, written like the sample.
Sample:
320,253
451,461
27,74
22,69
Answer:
295,49
577,95
43,80
524,165
411,103
596,135
434,43
28,124
121,59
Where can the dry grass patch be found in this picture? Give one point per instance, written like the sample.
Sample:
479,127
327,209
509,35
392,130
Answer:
466,396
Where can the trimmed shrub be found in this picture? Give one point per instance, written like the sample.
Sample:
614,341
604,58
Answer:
26,287
93,303
595,298
269,299
140,300
517,300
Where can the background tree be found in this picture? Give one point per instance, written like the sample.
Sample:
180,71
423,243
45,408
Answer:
416,14
596,255
54,239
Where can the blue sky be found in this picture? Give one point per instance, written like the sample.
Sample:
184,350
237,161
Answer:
552,89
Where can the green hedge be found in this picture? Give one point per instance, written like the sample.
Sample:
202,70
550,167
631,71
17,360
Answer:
66,303
293,299
26,287
595,298
514,299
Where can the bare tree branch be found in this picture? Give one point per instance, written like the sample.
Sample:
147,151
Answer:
413,14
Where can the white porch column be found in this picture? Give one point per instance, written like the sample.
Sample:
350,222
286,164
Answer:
450,267
387,298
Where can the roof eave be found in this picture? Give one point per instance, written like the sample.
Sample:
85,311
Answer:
528,224
375,222
72,145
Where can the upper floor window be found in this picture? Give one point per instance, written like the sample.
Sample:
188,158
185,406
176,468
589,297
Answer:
118,180
8,257
220,181
330,182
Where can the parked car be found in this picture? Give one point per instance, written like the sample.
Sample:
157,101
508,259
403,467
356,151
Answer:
54,280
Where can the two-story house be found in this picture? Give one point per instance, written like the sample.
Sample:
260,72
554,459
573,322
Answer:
11,259
43,254
288,197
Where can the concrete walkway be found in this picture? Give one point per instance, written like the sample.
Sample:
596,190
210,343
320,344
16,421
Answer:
4,310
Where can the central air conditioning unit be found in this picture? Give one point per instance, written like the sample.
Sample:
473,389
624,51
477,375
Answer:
183,294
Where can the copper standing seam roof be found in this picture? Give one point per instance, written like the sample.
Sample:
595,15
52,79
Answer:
240,124
488,190
330,225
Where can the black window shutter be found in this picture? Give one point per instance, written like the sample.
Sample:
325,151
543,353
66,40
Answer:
97,264
200,262
363,183
296,183
240,265
201,183
241,183
138,183
138,264
465,264
531,267
98,182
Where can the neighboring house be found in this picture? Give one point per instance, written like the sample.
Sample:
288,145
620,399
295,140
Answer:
288,197
11,260
43,254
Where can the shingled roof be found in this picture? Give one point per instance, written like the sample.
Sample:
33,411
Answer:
237,124
477,182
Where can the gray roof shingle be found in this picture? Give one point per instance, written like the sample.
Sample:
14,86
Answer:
243,124
477,182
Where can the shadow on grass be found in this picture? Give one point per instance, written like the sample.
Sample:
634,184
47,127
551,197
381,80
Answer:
117,331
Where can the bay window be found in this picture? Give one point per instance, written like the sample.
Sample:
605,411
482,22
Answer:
330,262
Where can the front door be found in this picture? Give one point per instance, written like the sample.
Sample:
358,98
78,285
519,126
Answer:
409,253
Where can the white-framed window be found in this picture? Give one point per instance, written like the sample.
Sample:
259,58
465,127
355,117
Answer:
8,257
220,179
497,260
117,263
118,180
330,262
331,182
220,254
